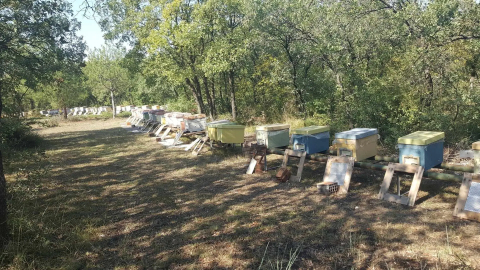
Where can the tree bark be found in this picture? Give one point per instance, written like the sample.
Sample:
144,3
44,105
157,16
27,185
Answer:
195,95
198,88
4,230
427,99
65,112
231,80
209,97
214,98
113,104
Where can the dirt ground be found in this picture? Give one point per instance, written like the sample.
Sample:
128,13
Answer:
118,200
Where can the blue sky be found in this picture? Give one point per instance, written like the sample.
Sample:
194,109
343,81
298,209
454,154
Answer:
90,29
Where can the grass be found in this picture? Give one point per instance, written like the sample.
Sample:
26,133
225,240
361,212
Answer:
116,200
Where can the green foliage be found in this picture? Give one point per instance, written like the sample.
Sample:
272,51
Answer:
400,67
182,104
53,121
15,136
124,114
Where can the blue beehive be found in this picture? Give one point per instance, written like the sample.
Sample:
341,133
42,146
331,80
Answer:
424,148
312,139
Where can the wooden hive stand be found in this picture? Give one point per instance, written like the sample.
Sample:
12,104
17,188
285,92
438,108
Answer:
258,161
294,153
468,202
399,198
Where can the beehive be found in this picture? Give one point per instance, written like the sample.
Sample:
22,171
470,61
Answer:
359,143
195,123
312,139
274,135
213,128
424,148
231,133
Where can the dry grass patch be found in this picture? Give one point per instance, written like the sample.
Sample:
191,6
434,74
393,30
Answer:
117,200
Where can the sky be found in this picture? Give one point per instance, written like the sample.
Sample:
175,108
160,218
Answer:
90,29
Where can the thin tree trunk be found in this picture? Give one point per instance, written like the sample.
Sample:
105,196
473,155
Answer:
4,230
198,88
194,93
209,97
113,104
231,79
427,99
65,112
214,98
220,91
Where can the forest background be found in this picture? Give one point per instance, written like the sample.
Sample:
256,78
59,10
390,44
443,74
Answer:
399,66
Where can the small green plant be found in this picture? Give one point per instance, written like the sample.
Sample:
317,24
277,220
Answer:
282,260
53,121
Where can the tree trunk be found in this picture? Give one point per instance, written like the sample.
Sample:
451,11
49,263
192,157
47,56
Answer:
209,97
4,230
231,80
65,112
214,98
198,88
427,98
113,104
195,94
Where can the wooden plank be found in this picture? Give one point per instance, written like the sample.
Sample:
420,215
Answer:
386,181
251,166
417,179
395,198
412,194
298,177
164,135
343,189
462,195
159,130
192,144
405,168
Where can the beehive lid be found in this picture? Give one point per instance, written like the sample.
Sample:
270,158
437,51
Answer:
217,125
422,137
181,115
273,127
231,126
218,122
356,133
476,146
311,130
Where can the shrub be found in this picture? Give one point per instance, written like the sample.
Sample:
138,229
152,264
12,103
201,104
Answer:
53,121
15,135
124,114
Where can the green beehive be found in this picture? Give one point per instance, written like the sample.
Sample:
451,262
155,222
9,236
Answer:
274,135
231,133
476,156
213,128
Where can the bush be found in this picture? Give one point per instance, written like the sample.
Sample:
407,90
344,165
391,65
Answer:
15,135
124,114
53,121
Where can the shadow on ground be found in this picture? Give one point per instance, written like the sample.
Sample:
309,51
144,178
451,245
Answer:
119,200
